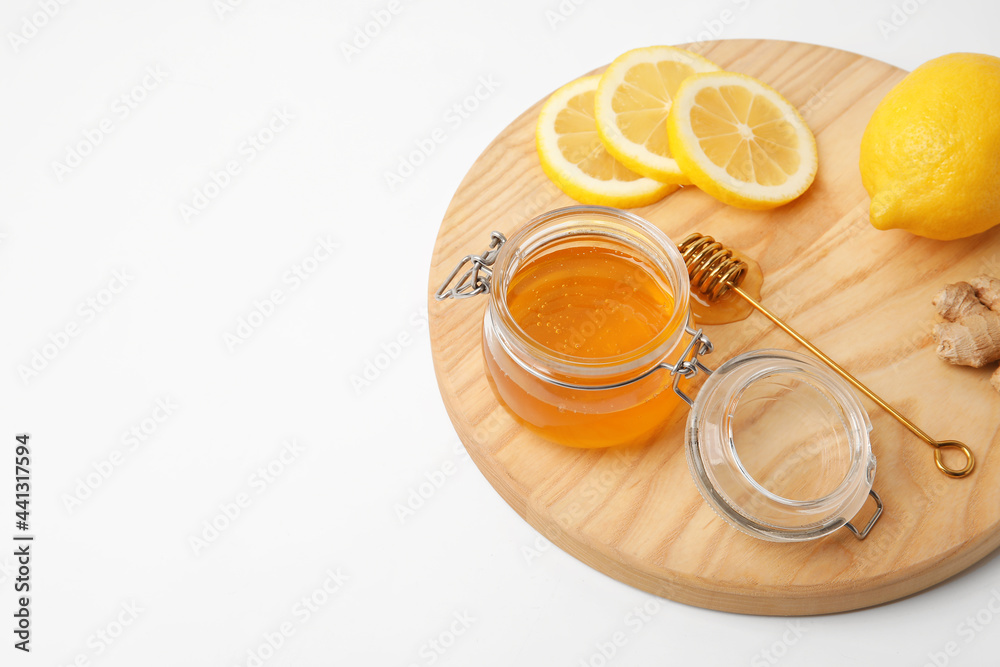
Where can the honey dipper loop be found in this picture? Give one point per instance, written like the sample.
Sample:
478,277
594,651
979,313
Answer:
714,272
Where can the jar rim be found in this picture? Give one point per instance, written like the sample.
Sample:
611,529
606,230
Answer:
722,478
641,236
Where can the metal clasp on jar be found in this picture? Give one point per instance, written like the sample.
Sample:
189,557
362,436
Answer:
476,279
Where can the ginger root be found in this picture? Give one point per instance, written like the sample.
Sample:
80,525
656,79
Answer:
956,301
971,334
987,291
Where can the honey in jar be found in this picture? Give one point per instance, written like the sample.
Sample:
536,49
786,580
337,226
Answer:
585,306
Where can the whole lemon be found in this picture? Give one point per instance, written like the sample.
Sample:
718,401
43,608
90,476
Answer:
930,156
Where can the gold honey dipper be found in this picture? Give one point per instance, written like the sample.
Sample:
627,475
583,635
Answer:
714,272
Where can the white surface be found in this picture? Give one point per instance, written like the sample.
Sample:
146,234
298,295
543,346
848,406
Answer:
334,505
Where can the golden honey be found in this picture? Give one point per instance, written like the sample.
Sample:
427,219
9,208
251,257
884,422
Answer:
592,312
730,307
589,302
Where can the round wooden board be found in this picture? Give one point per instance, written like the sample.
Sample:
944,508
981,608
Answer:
861,295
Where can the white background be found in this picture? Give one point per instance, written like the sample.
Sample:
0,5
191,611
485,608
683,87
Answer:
190,279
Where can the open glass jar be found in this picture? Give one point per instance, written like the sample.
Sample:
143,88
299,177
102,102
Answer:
586,336
779,446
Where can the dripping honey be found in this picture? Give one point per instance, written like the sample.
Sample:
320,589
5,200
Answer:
730,307
596,307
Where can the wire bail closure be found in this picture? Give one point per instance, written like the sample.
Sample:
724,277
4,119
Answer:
863,533
476,279
689,364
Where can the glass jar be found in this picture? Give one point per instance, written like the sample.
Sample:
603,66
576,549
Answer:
779,446
587,401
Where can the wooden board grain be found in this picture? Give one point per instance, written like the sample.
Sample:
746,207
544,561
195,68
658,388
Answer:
860,294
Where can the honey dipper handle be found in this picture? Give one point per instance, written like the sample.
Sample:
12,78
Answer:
970,461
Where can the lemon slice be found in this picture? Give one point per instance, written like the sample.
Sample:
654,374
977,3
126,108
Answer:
740,141
573,156
632,103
